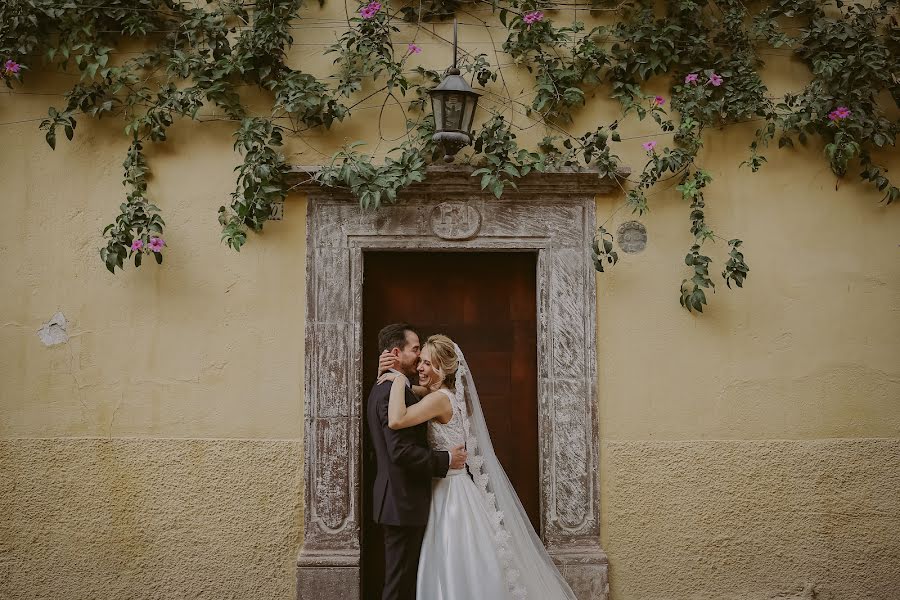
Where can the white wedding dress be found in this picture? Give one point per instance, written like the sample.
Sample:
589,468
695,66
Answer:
479,544
459,558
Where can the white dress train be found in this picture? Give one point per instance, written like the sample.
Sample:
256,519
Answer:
459,560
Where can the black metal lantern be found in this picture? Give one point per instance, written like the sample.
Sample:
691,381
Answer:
453,103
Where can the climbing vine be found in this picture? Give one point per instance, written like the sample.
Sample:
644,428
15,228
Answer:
201,63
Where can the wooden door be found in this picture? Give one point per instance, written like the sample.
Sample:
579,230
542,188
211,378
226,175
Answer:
487,303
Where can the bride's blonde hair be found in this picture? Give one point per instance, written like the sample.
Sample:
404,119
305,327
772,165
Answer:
443,358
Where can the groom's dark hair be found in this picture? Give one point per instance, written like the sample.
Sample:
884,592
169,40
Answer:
394,336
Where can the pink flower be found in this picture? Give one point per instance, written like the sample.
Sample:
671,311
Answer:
659,101
137,245
841,112
533,17
11,67
156,244
413,49
649,146
715,80
691,78
368,11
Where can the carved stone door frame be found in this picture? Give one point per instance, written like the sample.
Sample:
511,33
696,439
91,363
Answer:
552,214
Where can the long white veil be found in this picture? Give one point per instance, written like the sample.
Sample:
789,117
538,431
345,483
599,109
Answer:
530,572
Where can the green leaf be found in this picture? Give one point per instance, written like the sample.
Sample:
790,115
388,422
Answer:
497,188
511,170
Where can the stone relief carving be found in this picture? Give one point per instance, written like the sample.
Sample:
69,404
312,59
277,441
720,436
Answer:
632,237
455,220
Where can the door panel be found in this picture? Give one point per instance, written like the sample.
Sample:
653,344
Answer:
487,303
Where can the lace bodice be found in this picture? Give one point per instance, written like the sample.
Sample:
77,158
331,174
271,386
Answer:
446,436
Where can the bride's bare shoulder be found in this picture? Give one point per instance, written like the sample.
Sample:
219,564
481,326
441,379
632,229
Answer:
438,395
441,399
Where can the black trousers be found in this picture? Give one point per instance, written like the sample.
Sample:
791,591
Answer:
401,561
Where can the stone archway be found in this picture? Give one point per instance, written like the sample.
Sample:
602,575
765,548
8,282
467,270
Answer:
551,214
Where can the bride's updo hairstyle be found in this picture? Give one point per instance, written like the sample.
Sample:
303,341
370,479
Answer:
443,358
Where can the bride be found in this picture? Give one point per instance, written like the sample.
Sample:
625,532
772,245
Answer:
479,543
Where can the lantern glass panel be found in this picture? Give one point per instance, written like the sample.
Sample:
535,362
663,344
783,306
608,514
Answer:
454,104
469,113
437,109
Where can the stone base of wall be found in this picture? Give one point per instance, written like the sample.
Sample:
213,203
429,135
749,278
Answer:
586,571
329,577
93,519
753,520
117,519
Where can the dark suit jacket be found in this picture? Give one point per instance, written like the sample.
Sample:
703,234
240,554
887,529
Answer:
402,494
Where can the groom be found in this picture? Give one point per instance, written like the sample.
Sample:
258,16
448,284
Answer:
402,494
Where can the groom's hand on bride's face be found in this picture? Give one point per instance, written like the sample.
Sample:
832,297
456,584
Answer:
387,361
458,457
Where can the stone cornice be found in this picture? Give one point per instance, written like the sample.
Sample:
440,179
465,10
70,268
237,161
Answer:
457,181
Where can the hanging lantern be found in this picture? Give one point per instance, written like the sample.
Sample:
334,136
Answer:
453,104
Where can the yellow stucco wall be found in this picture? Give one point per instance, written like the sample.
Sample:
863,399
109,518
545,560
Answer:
753,519
149,518
752,451
748,452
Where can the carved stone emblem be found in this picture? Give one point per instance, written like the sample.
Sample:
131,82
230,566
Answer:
632,237
277,211
455,220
